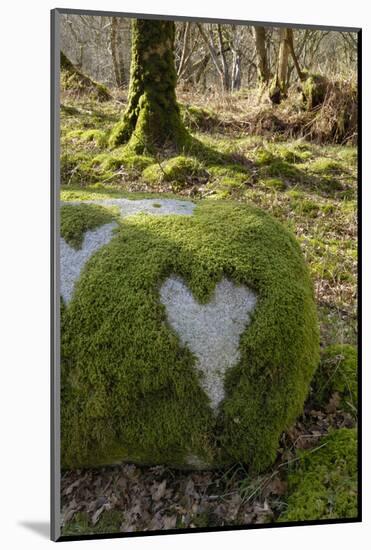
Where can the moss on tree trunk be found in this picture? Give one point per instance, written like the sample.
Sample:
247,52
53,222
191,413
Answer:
152,117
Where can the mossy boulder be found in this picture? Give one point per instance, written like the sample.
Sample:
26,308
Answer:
138,384
323,484
337,375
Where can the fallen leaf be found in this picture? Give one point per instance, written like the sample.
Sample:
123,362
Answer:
159,491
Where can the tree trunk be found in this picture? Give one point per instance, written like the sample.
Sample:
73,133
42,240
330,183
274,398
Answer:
120,53
185,51
152,117
200,70
290,39
236,71
261,56
226,81
116,51
283,59
278,87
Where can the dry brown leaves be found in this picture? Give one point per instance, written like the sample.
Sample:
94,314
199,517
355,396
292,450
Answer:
160,498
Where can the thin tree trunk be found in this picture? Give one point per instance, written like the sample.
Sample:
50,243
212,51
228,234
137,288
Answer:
290,39
117,58
185,50
120,54
221,67
225,71
283,58
261,55
278,87
236,71
200,68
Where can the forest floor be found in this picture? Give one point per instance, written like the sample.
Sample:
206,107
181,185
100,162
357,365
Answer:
312,189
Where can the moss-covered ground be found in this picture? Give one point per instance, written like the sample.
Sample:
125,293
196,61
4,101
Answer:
337,378
322,484
312,189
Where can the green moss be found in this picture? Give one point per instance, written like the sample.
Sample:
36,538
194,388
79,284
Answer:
236,172
326,166
130,390
264,157
69,110
109,522
76,168
228,180
280,168
294,155
274,183
86,168
180,171
92,135
314,90
348,154
337,372
121,157
77,219
323,485
328,209
282,154
198,118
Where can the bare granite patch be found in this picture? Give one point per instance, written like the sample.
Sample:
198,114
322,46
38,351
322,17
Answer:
157,207
211,331
72,261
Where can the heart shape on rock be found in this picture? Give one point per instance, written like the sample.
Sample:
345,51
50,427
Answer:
211,331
